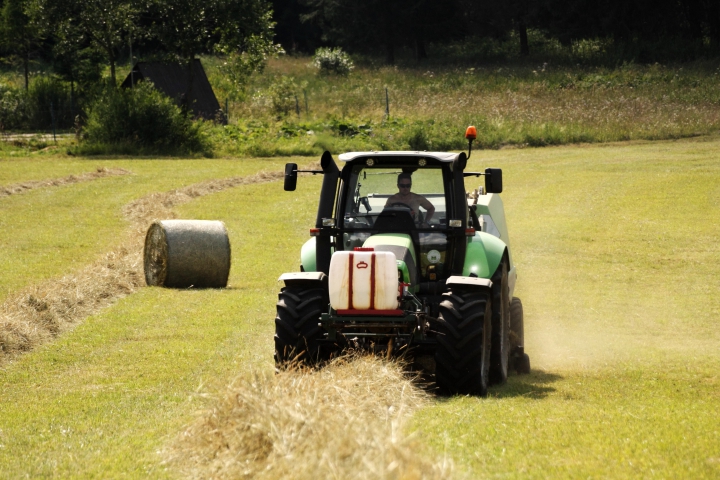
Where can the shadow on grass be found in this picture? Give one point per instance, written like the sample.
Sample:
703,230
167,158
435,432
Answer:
537,384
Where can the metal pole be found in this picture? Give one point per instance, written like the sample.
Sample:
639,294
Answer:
306,102
297,106
227,111
132,76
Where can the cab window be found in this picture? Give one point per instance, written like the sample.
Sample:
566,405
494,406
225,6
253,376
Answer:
372,189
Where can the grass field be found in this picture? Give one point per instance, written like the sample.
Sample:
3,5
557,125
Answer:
616,248
289,109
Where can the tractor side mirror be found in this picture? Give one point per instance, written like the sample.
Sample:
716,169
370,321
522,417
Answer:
493,180
290,177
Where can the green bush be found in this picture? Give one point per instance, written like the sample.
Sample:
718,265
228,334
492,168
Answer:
46,98
49,103
332,60
142,120
283,95
12,107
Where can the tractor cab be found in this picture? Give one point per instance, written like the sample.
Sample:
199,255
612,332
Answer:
400,204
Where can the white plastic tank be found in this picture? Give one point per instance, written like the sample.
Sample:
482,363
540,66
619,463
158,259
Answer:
363,280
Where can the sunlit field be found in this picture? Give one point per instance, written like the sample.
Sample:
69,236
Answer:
615,247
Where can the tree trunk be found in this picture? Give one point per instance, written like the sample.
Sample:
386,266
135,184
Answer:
26,66
713,21
522,32
111,57
389,52
420,52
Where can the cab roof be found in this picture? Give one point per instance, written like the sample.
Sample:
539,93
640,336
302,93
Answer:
445,157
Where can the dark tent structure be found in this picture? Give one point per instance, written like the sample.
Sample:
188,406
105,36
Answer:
172,80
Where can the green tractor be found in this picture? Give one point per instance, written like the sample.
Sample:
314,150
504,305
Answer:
403,261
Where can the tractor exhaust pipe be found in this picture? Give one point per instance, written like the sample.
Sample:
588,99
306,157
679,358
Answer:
331,175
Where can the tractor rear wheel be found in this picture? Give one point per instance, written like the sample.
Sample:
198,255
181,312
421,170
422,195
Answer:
521,360
500,352
517,336
297,333
522,364
462,356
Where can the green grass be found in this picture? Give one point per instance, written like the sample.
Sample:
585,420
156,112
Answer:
103,399
514,103
48,231
616,252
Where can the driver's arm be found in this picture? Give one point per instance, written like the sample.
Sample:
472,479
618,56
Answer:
429,207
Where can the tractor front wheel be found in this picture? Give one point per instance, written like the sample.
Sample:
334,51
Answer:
462,356
297,333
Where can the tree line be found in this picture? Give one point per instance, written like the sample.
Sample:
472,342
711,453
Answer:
382,27
80,38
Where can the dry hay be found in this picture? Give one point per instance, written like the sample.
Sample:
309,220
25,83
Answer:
187,254
38,313
23,187
157,206
343,421
41,312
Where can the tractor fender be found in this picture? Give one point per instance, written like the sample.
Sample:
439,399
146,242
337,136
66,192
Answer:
304,279
484,254
469,281
307,256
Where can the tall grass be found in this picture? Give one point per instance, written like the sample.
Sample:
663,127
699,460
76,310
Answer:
519,104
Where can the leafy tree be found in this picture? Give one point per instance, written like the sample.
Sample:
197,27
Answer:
293,34
104,23
19,33
241,29
383,25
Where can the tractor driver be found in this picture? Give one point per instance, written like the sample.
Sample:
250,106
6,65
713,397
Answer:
412,200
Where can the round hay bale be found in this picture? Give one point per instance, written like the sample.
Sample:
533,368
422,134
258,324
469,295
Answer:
187,253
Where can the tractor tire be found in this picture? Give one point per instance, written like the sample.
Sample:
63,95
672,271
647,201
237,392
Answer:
517,330
297,332
520,359
500,350
462,357
522,364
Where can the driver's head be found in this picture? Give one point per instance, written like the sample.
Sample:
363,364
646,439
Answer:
404,182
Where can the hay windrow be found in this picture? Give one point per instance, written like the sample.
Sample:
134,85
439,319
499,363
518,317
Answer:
344,421
23,187
36,314
156,206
